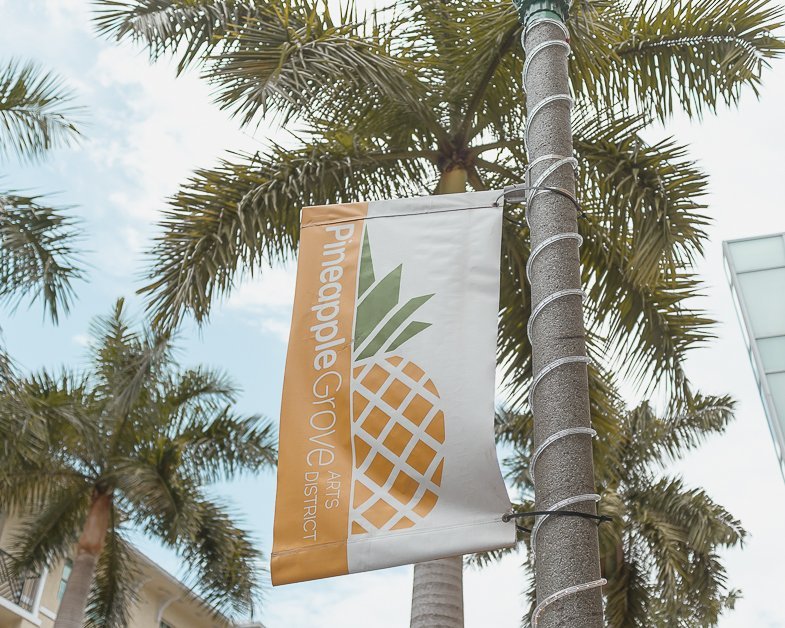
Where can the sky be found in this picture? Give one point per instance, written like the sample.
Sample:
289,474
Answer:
145,130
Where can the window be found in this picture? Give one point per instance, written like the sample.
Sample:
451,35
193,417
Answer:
164,624
64,578
758,254
772,353
762,292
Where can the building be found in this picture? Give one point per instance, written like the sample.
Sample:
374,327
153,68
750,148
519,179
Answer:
164,601
756,271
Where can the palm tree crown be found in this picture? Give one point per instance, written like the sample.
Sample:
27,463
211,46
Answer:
142,440
663,537
388,104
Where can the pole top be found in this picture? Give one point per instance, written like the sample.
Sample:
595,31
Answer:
541,9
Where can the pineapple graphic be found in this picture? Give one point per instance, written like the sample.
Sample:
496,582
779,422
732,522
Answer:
398,425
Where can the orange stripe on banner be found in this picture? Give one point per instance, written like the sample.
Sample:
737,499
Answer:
315,451
320,214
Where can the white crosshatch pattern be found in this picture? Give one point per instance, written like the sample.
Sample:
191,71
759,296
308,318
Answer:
448,247
377,446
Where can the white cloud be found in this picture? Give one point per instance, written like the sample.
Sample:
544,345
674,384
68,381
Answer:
277,328
70,14
272,288
265,301
83,340
166,128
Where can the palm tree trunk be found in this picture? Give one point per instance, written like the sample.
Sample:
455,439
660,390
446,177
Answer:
437,594
437,590
72,607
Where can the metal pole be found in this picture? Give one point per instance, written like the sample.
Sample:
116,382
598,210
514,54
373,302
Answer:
566,549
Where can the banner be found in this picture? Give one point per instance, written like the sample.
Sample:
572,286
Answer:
386,452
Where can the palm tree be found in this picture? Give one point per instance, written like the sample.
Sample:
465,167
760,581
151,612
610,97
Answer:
131,443
426,97
663,538
37,257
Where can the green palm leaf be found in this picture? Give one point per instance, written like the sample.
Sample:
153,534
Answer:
293,57
35,112
693,54
186,27
37,253
111,597
231,218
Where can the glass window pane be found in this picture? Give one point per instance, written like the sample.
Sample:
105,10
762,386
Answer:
763,293
772,353
777,388
64,578
758,254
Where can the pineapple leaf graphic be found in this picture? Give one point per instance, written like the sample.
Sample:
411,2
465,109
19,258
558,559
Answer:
366,267
377,303
398,424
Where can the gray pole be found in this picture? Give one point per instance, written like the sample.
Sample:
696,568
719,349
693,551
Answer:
567,562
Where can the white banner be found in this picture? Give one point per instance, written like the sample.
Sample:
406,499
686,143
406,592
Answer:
387,453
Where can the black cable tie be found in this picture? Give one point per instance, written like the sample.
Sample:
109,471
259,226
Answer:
554,513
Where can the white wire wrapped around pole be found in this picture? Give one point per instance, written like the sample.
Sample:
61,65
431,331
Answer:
565,550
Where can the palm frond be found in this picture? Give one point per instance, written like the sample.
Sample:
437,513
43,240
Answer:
646,196
116,581
36,113
477,70
679,530
40,414
594,28
627,598
224,563
652,327
156,497
292,57
242,213
226,445
128,364
48,532
197,390
483,559
37,253
646,438
695,54
189,28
